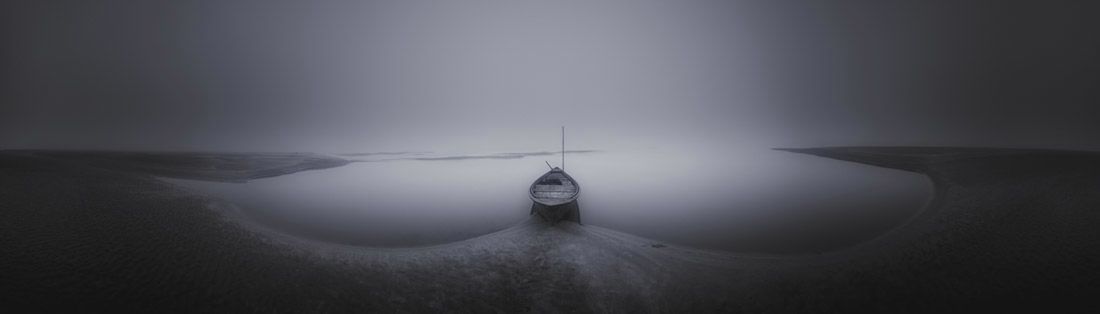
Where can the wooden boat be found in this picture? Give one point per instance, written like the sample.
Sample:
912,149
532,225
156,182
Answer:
555,193
555,188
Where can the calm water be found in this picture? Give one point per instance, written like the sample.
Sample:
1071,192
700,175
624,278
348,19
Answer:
748,199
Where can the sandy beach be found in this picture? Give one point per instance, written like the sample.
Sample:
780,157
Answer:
1006,229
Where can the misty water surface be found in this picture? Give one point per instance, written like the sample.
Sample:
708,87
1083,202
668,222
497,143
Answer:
756,199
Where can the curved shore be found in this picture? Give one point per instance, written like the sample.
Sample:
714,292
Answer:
1008,228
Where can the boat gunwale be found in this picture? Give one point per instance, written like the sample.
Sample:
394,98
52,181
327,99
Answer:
531,189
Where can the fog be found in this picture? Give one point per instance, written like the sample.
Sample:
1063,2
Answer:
691,94
491,76
403,137
763,201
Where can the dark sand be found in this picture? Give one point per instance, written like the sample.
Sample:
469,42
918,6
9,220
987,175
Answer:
1007,229
225,167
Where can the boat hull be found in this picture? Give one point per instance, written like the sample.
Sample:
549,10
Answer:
553,214
554,196
554,188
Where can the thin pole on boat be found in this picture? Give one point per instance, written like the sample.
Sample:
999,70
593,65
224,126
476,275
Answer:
548,165
563,148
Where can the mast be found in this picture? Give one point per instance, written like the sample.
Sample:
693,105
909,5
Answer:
563,148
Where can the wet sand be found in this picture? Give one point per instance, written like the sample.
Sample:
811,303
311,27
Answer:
1006,229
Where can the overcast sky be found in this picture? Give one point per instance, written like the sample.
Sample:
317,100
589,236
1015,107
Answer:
337,76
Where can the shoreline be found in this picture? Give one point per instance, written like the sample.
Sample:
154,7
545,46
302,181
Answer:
1010,230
